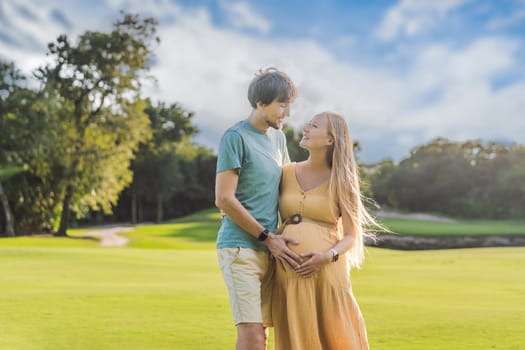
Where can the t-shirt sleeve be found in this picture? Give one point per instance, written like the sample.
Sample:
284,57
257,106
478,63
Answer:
285,175
231,151
286,155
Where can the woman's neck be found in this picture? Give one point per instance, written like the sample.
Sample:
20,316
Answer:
316,162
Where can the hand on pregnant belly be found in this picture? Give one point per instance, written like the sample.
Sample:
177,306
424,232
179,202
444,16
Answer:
313,261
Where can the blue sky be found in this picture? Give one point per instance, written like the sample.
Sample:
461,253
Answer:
401,72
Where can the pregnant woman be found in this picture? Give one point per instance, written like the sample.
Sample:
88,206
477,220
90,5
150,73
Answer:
313,306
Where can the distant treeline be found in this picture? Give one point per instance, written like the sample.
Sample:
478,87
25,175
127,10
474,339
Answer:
473,179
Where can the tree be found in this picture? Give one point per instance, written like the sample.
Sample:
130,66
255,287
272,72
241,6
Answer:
24,121
297,154
198,166
469,179
512,181
9,78
5,173
97,82
157,166
379,176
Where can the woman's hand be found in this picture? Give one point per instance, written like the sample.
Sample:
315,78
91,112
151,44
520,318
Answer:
312,262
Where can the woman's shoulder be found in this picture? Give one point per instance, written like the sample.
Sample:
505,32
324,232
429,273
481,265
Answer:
289,167
287,170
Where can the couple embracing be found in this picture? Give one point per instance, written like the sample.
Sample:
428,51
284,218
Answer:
293,276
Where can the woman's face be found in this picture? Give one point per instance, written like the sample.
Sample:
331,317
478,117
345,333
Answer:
315,133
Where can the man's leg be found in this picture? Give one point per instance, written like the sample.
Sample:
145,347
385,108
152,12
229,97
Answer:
251,336
243,270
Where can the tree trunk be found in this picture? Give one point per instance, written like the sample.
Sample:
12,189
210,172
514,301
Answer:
133,207
7,211
81,130
64,218
160,213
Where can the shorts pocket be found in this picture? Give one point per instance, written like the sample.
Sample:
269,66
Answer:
227,256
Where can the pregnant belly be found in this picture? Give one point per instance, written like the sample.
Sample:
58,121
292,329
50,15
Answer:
311,237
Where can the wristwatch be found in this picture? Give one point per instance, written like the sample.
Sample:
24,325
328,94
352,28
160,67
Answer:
335,255
263,235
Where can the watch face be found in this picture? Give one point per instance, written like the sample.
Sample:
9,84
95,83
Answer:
335,255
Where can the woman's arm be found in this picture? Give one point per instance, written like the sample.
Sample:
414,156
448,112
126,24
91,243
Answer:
317,259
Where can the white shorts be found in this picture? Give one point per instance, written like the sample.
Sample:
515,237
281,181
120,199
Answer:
248,275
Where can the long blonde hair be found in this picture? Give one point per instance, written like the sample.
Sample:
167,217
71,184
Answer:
344,192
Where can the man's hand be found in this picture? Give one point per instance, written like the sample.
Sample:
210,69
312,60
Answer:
312,263
278,247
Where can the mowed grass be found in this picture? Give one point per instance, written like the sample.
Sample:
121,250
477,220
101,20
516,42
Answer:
96,298
196,231
100,298
77,295
445,299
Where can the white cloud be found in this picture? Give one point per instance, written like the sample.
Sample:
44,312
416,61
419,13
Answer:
466,104
25,24
209,71
242,16
412,17
26,61
482,60
29,31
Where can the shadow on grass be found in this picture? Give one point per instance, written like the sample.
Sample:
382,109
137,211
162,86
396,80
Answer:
199,227
49,235
208,215
198,231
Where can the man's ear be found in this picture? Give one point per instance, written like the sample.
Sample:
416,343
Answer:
260,104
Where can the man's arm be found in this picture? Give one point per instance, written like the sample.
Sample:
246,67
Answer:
225,187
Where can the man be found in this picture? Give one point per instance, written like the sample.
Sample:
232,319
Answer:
251,155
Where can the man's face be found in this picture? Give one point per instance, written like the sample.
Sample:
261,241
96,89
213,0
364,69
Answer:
275,112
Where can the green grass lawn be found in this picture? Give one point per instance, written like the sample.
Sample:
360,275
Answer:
462,227
197,231
100,298
72,294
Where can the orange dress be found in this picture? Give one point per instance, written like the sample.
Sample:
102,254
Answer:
317,312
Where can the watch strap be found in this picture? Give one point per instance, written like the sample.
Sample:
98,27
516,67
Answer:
263,235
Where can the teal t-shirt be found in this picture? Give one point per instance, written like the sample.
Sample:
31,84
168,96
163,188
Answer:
259,157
